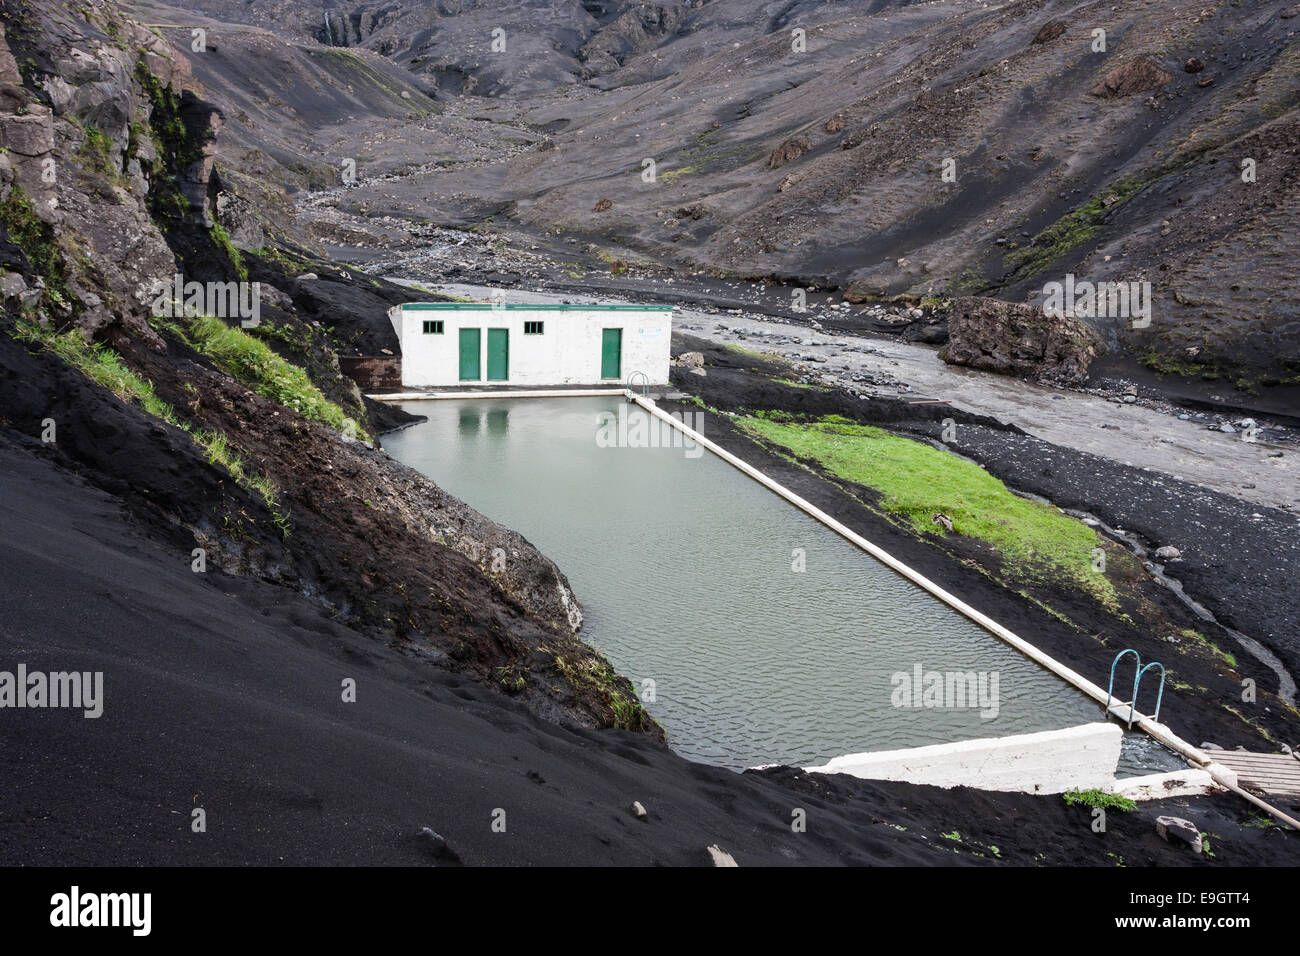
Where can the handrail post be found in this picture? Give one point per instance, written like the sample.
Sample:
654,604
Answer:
1110,688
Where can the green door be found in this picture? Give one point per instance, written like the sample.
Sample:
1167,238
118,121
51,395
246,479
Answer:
498,355
469,355
611,353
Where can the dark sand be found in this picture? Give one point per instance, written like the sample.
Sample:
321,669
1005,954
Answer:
224,693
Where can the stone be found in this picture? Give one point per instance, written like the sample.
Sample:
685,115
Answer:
438,846
603,205
691,360
698,371
12,285
788,151
1049,31
1135,76
30,134
1178,830
1168,553
8,65
942,519
1019,339
639,811
721,857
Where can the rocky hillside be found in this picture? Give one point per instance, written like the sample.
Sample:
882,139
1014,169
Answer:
231,434
882,148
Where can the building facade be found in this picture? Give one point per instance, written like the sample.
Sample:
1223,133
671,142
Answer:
469,344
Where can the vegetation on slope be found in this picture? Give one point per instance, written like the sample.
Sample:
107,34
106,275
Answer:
105,367
253,362
916,481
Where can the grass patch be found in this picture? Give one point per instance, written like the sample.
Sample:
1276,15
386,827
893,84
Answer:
35,238
105,367
223,242
916,481
753,353
594,675
1075,228
254,363
805,385
1098,798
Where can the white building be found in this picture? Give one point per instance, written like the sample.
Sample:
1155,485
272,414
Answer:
468,343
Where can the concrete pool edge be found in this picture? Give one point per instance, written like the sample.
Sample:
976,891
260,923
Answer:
1156,730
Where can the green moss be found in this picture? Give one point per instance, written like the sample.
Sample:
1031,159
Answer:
222,240
594,675
1098,798
805,385
1074,229
105,367
35,238
97,153
253,362
753,353
916,480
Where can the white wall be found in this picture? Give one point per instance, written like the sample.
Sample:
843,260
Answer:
567,352
1049,762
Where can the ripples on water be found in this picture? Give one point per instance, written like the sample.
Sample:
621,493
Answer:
684,567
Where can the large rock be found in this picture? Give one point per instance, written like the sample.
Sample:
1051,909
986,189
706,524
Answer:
788,152
8,65
1050,31
1135,76
1021,340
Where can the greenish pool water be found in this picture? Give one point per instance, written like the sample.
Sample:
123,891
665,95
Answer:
687,572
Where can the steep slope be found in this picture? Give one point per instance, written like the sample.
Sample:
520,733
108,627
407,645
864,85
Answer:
231,434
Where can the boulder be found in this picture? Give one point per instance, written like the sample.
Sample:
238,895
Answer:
1020,340
1049,31
8,65
1135,76
1178,830
720,857
788,152
691,360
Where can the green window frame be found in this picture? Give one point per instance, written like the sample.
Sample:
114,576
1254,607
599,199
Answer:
534,328
433,326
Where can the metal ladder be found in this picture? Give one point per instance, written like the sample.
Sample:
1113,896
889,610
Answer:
645,383
1137,679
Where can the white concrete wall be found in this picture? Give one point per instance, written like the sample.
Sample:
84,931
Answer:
1049,762
1158,786
568,352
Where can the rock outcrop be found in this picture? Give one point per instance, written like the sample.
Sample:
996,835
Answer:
1020,340
1135,76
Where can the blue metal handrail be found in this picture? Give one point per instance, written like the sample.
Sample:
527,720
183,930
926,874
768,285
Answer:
1110,688
1139,670
1159,696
